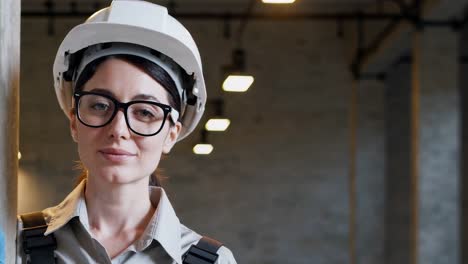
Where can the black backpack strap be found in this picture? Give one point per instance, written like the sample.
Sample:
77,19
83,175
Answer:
40,248
205,252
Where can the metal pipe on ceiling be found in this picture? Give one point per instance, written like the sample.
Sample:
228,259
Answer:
224,15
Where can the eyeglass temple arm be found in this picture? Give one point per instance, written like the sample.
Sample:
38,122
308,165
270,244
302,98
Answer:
174,114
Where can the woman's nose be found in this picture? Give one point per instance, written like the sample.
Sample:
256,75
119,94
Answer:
118,127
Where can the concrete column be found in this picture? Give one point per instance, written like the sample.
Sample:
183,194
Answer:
370,181
397,164
352,191
463,88
9,99
436,143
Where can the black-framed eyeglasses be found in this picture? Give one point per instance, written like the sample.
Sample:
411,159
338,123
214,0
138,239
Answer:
144,118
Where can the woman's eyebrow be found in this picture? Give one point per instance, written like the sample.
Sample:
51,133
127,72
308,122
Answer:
146,97
102,91
136,97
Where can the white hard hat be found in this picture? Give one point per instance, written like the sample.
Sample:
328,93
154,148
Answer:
141,24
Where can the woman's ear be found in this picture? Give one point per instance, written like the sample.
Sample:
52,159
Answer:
73,126
171,137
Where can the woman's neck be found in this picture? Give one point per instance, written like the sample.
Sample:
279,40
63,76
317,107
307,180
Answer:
115,208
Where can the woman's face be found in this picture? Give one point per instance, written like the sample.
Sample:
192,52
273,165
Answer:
114,153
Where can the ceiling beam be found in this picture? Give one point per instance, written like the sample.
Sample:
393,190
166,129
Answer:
398,41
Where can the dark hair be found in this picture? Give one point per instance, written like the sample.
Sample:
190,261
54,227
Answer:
150,68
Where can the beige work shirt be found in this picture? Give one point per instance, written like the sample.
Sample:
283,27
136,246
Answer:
164,240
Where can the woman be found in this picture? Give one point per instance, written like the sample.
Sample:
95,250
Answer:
131,83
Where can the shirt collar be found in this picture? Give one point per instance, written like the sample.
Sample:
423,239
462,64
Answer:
164,226
73,205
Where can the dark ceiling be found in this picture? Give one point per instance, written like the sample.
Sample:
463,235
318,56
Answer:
217,5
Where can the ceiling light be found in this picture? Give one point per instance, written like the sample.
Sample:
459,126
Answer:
237,79
203,149
217,124
278,1
19,155
237,83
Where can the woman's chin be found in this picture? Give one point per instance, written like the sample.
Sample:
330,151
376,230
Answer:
117,177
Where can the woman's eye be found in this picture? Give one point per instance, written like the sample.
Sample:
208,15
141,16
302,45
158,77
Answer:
145,113
100,106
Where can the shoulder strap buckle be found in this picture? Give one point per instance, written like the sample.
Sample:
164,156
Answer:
40,248
34,239
205,252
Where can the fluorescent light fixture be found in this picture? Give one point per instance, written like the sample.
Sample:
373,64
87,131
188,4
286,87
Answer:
217,124
237,83
278,1
203,149
19,155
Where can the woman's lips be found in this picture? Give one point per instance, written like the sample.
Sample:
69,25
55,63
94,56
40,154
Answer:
116,155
